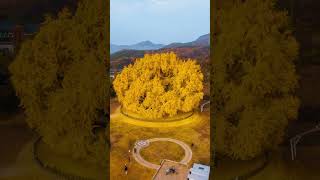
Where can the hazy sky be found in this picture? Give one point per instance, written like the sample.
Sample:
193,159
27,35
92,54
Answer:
160,21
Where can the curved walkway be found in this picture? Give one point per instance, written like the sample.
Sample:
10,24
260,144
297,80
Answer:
25,167
145,143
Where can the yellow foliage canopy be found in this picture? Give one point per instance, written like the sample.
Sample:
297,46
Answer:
60,78
254,78
160,85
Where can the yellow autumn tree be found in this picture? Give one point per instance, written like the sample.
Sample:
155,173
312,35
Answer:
160,85
60,78
254,78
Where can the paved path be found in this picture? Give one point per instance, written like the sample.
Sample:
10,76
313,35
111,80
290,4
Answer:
203,105
26,167
145,143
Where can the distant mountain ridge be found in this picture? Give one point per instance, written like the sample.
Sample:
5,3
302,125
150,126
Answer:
144,45
123,58
202,41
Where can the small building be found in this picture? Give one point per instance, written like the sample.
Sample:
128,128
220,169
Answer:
6,42
11,35
199,172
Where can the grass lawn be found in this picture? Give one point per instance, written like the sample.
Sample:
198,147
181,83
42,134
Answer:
12,119
17,161
12,139
228,169
280,166
173,152
23,166
68,165
124,135
309,87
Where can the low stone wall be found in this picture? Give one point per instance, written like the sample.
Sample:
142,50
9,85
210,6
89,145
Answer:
135,116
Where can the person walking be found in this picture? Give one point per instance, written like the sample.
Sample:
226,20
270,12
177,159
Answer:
126,169
129,154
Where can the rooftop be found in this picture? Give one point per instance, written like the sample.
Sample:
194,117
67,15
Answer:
199,172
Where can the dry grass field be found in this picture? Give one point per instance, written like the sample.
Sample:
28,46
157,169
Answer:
124,135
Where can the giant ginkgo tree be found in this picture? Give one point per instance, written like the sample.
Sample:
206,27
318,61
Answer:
253,78
160,85
60,77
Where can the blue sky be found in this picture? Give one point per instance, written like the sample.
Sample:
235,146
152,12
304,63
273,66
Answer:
160,21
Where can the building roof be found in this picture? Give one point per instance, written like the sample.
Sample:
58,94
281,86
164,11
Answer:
199,172
196,177
199,168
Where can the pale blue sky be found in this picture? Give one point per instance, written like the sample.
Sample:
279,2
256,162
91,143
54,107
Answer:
160,21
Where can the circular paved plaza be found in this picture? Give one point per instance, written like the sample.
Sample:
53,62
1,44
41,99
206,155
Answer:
141,144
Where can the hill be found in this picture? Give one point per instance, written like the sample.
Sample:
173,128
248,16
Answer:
203,40
198,49
144,45
123,58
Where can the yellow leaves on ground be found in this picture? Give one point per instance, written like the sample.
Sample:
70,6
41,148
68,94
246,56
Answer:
160,85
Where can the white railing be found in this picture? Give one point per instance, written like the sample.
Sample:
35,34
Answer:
202,106
296,139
